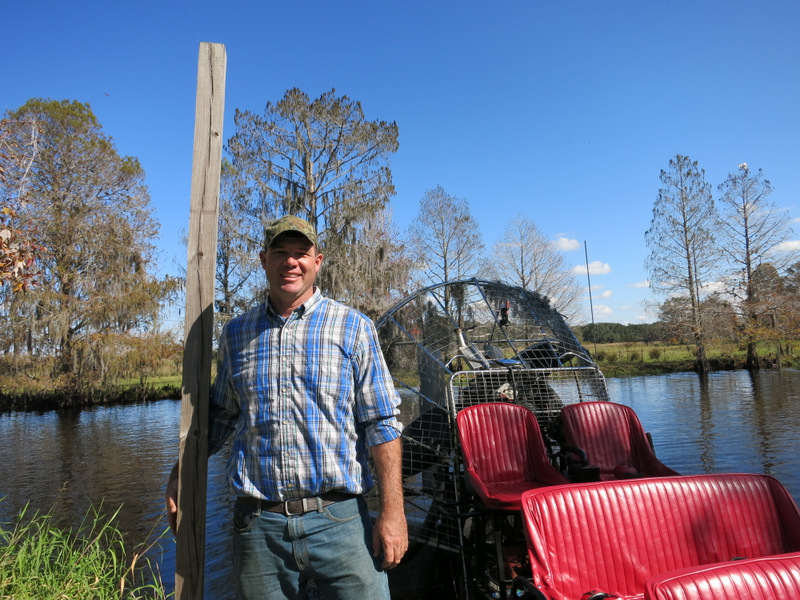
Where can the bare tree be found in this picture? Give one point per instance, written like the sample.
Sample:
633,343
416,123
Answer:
239,277
526,258
787,312
323,161
754,230
774,319
720,319
684,253
446,239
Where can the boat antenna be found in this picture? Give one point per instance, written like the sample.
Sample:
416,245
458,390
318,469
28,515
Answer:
589,279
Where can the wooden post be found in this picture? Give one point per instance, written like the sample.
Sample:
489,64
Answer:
199,324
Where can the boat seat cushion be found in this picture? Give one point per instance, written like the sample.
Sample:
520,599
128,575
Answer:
504,453
613,439
612,536
767,578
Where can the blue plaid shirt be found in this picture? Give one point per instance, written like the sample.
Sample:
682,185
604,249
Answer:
303,397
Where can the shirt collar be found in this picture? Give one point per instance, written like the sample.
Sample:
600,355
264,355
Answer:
301,310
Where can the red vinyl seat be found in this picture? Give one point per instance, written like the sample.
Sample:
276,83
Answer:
612,536
504,453
768,578
613,439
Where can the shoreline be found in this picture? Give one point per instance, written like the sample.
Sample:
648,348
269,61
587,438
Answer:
63,400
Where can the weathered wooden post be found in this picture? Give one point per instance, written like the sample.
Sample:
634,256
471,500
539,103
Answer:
202,252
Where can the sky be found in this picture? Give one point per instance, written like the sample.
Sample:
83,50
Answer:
564,113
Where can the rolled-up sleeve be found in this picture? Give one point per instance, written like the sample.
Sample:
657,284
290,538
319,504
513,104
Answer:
377,400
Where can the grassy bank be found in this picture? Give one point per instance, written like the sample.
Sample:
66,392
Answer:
36,383
25,390
40,561
22,393
636,359
630,359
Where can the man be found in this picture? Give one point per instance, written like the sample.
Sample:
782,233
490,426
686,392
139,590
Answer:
303,389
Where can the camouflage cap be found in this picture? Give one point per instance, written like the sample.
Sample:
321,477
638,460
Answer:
289,223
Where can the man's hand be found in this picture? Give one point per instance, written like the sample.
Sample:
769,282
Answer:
390,536
171,499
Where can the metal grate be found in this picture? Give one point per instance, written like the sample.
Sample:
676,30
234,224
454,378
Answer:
544,391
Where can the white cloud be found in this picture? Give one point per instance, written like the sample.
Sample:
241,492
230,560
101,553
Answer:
566,244
602,309
640,284
606,294
597,268
790,246
715,286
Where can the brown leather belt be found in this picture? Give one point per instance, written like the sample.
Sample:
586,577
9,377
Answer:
296,507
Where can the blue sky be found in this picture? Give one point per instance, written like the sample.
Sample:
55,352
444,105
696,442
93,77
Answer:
563,112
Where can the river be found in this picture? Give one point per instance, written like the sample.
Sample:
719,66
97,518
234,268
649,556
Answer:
120,456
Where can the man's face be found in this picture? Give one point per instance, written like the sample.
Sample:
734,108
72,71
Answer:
291,264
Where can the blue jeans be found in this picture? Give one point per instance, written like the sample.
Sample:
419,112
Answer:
274,556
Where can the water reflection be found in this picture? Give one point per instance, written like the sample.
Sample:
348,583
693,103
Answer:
115,457
121,456
731,421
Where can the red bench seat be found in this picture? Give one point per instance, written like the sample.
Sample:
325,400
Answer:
612,536
767,578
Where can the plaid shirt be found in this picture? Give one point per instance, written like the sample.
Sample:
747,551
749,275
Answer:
304,397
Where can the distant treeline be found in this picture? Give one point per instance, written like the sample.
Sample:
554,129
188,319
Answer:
610,333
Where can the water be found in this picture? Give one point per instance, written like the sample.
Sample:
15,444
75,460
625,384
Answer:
121,456
110,456
731,422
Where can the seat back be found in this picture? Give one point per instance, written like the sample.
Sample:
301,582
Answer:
502,445
769,578
614,535
612,436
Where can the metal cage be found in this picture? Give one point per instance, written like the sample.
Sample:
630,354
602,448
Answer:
459,343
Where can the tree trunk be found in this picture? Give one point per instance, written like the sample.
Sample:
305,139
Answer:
701,362
752,363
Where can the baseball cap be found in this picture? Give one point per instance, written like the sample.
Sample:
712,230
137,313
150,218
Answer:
289,223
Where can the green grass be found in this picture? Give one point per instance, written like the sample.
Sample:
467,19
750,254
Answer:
41,561
624,359
154,381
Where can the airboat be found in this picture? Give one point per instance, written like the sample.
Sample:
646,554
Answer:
459,344
503,409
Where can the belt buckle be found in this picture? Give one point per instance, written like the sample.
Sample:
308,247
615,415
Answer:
287,511
304,507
